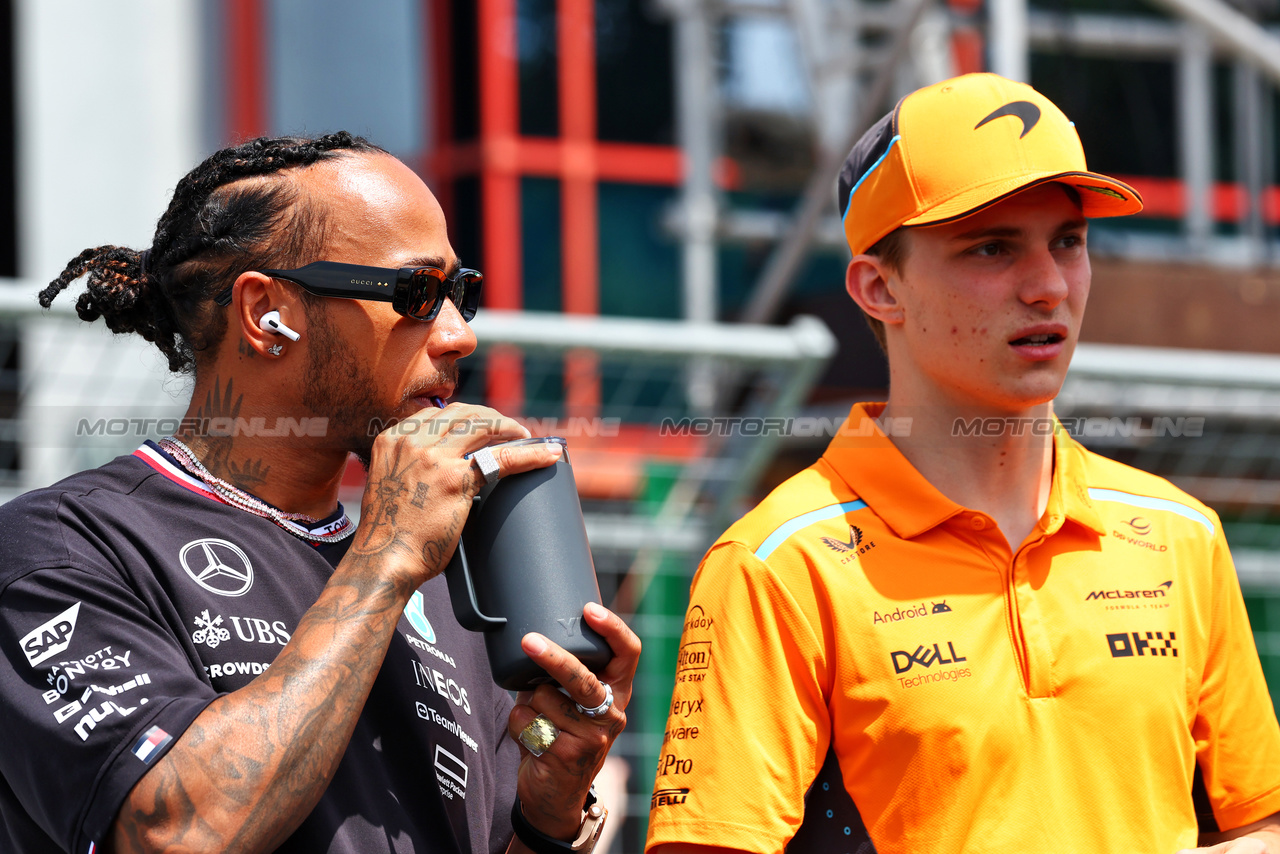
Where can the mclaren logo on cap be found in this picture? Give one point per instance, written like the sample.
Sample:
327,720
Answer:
1025,110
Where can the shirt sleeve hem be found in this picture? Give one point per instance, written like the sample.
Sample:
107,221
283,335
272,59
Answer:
109,796
1254,809
740,837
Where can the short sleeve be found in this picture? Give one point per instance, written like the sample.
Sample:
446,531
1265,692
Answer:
1235,729
93,691
749,723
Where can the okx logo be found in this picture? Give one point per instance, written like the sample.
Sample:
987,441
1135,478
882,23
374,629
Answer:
1130,644
925,656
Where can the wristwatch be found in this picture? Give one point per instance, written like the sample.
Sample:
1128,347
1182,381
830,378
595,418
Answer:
583,843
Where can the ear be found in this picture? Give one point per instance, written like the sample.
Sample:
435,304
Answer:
873,286
254,295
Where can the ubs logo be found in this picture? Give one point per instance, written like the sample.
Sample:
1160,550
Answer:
218,566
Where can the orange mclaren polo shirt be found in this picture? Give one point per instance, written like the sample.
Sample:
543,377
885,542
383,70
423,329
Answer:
1066,696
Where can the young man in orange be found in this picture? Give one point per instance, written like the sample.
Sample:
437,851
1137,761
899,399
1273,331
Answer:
946,640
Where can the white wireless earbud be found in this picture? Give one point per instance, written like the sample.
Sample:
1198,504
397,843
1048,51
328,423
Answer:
272,321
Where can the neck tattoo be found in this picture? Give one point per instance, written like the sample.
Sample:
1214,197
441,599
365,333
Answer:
242,500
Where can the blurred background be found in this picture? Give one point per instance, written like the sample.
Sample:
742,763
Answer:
648,186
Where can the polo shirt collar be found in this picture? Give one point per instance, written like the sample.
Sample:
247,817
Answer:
877,472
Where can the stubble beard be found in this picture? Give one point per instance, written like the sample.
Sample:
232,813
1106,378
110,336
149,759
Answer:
340,386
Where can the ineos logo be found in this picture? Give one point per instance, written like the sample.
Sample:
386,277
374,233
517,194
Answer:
218,566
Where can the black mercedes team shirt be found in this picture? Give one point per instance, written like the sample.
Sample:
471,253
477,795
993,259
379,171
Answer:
131,597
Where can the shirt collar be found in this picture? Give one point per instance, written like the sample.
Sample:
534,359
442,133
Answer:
877,472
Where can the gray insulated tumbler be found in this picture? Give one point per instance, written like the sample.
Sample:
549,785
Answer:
524,565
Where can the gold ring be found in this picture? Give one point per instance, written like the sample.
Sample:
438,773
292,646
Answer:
538,735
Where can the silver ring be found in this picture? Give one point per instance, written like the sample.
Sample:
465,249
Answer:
538,735
487,463
606,705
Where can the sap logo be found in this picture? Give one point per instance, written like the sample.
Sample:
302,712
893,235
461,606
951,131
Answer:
50,638
684,708
669,797
98,715
674,765
1157,592
1153,644
924,656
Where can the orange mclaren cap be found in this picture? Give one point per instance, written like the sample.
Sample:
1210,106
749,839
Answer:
948,150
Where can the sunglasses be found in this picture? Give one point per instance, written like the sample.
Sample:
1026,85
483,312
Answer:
416,292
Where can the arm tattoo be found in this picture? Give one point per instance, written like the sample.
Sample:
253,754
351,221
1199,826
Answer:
253,765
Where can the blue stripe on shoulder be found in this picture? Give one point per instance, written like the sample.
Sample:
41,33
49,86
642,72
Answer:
786,529
1146,502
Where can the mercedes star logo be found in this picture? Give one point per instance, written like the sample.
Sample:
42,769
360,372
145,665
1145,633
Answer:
218,566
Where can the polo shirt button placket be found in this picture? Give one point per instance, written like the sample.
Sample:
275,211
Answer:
978,523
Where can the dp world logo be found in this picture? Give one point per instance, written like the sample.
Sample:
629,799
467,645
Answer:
218,566
1140,526
413,613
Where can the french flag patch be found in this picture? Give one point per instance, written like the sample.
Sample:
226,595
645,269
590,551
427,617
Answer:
150,743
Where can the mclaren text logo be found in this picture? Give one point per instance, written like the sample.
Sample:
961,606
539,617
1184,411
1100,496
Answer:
1158,592
925,656
218,566
50,638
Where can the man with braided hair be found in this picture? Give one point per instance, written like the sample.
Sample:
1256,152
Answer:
198,649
